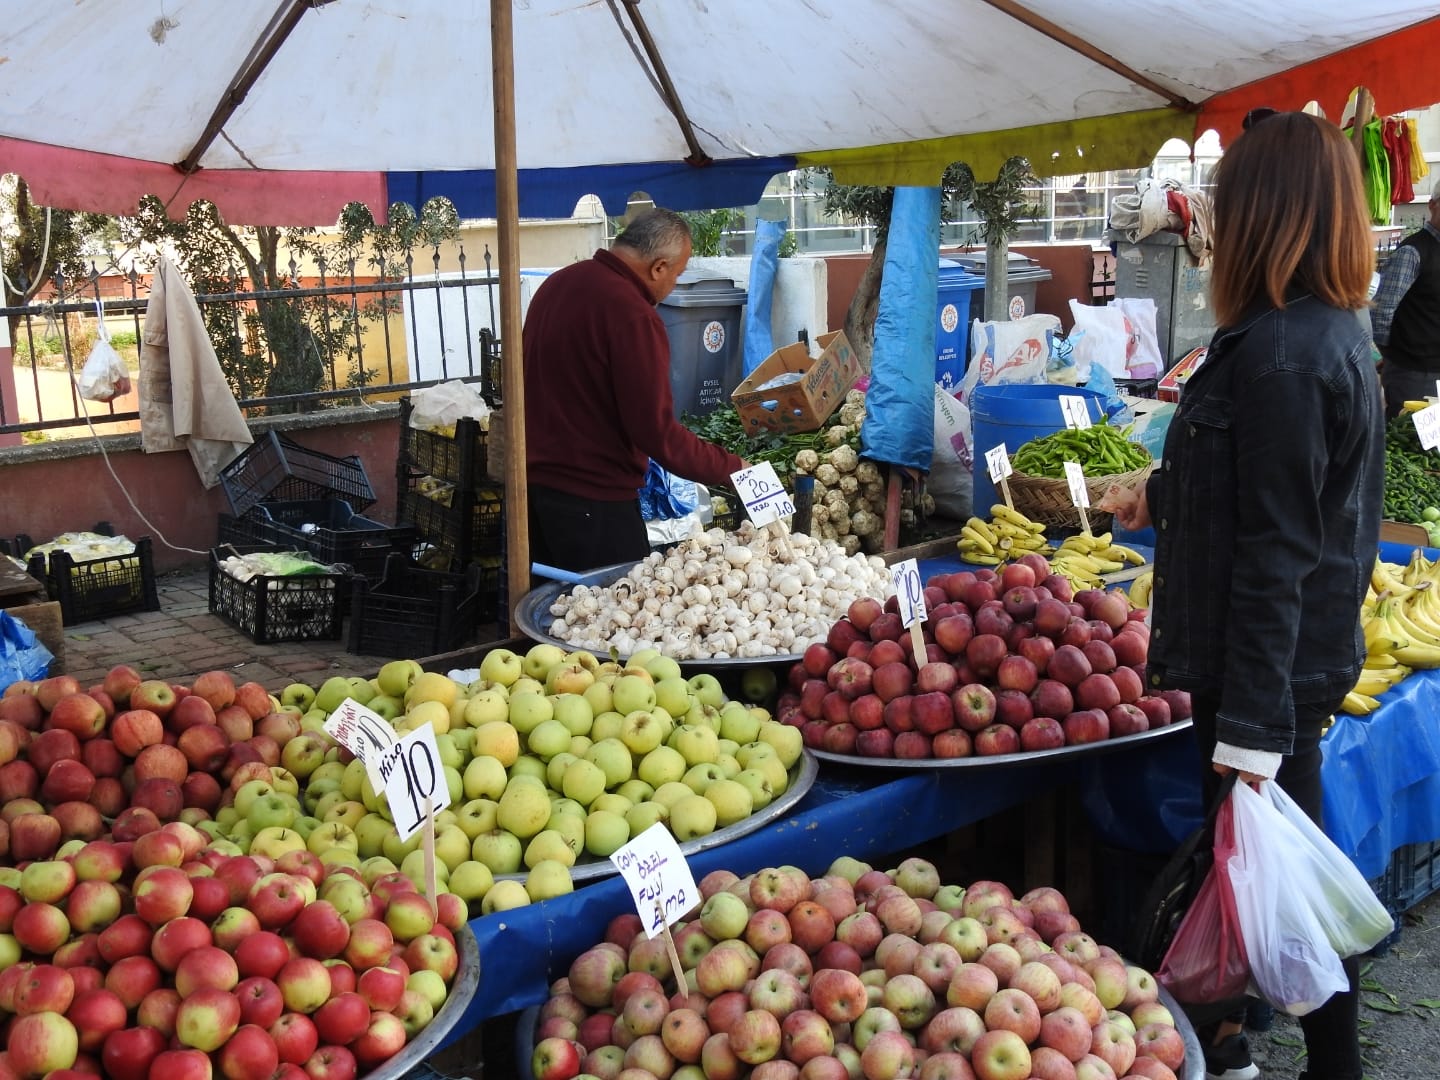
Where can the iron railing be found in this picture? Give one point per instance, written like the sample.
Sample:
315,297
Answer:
421,335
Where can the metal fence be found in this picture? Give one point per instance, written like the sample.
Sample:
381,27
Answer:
358,338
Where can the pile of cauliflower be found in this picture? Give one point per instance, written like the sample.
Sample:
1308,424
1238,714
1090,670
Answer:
849,500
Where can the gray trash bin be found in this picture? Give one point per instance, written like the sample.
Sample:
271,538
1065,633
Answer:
1024,278
1160,267
702,317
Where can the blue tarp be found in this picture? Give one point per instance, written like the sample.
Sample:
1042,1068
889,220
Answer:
900,404
764,262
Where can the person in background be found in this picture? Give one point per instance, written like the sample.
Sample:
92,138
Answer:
597,398
1267,505
1405,315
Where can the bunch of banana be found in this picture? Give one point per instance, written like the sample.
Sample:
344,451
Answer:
1140,589
1007,535
1401,623
1416,406
1083,558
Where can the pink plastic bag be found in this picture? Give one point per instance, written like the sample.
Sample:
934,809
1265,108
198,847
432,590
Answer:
1206,962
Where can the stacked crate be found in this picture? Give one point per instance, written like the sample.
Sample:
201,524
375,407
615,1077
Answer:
90,589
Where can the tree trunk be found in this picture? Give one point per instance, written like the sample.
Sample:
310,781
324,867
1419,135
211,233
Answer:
864,306
997,279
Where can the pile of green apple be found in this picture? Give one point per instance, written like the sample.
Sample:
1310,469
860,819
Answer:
551,757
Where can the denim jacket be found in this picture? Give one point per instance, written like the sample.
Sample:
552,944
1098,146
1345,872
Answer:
1267,510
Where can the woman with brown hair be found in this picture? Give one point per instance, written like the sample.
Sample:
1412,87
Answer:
1267,503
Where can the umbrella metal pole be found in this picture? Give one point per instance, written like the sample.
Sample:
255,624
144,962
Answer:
512,383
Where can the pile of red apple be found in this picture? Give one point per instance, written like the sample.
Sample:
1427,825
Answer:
133,944
861,973
1015,661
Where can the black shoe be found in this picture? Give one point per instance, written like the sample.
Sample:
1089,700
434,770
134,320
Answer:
1229,1059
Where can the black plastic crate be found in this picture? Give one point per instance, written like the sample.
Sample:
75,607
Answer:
415,613
339,534
460,459
90,589
277,469
472,525
268,609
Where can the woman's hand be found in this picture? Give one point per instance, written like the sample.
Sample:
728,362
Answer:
1129,505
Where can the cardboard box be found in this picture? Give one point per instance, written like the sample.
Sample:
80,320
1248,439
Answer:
1170,385
807,403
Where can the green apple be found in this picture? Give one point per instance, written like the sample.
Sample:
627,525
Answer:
703,716
529,711
548,879
284,781
249,792
569,678
372,869
550,737
477,816
484,778
731,800
526,685
728,766
584,781
352,782
226,817
501,666
370,833
698,778
314,720
499,850
673,695
272,811
332,692
464,739
276,841
727,747
471,880
739,723
555,770
432,686
570,826
395,677
396,849
319,798
637,791
641,732
755,782
528,765
698,744
692,817
606,725
454,784
644,814
539,659
724,916
498,740
386,707
614,760
486,707
452,846
504,896
707,689
298,696
413,867
616,804
785,739
579,744
331,772
340,856
332,834
361,690
574,712
599,698
662,765
659,667
549,844
758,684
632,693
668,794
524,807
605,833
449,753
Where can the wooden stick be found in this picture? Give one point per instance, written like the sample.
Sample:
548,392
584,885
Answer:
1084,520
675,965
1005,491
917,639
507,220
428,843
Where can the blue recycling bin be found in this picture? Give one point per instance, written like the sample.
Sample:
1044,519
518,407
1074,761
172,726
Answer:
952,322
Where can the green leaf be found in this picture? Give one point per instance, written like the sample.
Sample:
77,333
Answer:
1429,1003
1287,1040
1385,1006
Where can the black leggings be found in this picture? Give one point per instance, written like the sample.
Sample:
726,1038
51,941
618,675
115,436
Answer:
574,533
1332,1032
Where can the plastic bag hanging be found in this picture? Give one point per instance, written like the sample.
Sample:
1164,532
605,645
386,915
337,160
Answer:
104,376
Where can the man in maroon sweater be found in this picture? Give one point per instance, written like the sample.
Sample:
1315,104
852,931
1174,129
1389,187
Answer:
597,398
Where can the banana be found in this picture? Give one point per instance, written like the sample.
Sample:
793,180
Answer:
1415,570
1374,683
1415,406
1422,650
1141,588
1385,578
985,545
1005,513
1359,704
1384,662
985,560
983,528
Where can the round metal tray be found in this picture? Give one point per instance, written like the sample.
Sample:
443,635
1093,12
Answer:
467,981
802,778
1124,742
533,618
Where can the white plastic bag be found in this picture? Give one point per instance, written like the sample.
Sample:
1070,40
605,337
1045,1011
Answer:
1353,918
1101,335
1009,352
104,377
951,482
1294,966
436,408
1142,353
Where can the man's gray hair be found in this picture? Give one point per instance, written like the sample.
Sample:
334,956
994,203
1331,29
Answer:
655,234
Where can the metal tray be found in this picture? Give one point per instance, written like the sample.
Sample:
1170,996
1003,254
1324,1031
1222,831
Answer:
467,981
802,778
533,619
1124,742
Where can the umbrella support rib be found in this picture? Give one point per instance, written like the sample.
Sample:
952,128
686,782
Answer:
667,86
1063,37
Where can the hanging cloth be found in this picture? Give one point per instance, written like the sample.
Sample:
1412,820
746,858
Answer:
1419,167
1397,152
1377,174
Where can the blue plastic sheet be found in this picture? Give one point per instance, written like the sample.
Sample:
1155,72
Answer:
22,655
900,404
665,495
764,262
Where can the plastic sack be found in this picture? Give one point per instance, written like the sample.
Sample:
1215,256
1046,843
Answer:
23,656
1142,351
664,495
1206,960
1100,336
1292,962
1355,921
436,408
952,481
104,376
1009,352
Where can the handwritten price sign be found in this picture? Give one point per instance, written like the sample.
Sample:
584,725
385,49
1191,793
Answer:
1075,477
909,592
659,878
997,460
365,733
765,498
414,780
1427,426
1076,411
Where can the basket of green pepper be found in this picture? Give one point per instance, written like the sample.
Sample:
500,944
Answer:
1106,456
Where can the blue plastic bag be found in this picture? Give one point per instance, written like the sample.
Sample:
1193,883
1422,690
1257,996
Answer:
664,495
764,264
22,655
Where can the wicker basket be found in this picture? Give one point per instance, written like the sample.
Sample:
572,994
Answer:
1047,500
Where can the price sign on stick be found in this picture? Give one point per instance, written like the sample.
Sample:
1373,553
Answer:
765,498
997,460
1079,493
365,733
1427,426
910,594
660,883
414,779
1076,411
